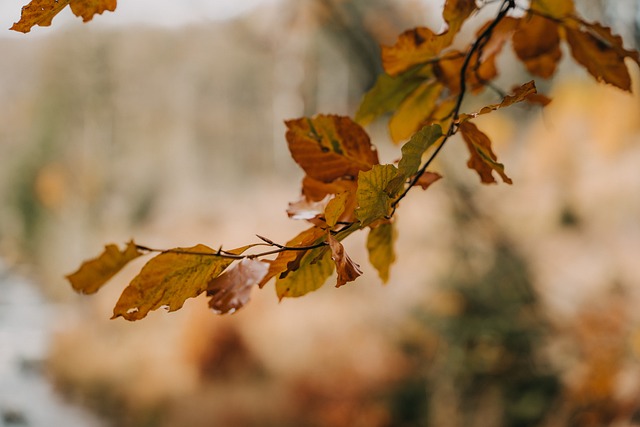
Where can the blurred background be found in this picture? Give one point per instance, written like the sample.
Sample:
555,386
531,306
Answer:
163,122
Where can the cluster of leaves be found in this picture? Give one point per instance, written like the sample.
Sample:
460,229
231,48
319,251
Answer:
345,188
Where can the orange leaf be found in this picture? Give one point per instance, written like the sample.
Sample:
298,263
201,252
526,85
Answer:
601,53
455,12
42,12
329,147
93,274
347,270
483,159
500,34
169,279
537,44
427,179
478,72
231,291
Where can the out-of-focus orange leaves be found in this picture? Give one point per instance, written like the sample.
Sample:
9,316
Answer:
482,160
42,12
329,147
231,290
428,178
520,94
380,244
537,44
347,270
169,279
280,265
93,274
374,199
414,111
455,12
601,53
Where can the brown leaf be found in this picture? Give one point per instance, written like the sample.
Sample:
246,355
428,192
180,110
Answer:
169,279
230,291
537,44
427,179
93,274
520,94
482,159
500,34
329,147
601,53
347,270
280,265
42,12
479,72
306,209
455,12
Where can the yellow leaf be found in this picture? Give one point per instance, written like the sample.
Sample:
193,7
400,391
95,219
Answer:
374,202
537,44
329,147
313,270
93,274
42,12
455,12
347,270
601,53
231,290
380,242
482,160
553,8
336,208
414,111
169,279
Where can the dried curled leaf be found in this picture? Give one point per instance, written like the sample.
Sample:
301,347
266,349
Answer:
347,270
93,274
42,12
169,279
380,244
329,147
483,160
520,94
231,290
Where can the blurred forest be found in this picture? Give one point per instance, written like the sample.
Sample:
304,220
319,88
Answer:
507,306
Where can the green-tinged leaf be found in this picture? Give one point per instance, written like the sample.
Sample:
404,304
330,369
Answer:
329,147
520,94
93,274
169,279
280,265
374,201
414,111
336,208
601,53
231,290
380,244
347,270
313,270
455,12
413,150
553,8
482,160
387,94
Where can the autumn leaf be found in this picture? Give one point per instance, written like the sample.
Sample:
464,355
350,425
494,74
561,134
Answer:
306,209
231,290
601,53
414,111
413,150
374,200
387,94
336,207
347,270
501,33
169,279
455,12
93,274
537,44
329,147
480,70
313,270
553,8
380,244
428,178
483,160
519,94
42,12
280,265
